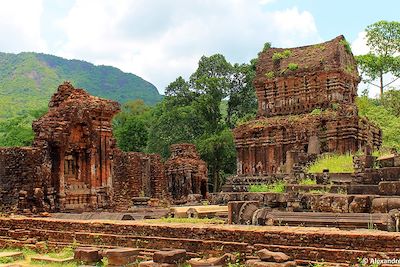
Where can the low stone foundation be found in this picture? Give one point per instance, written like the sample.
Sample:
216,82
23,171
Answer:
303,244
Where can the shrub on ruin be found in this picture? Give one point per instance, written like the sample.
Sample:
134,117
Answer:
316,111
293,66
308,181
278,56
276,187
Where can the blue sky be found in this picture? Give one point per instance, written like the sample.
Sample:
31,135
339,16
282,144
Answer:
161,40
334,17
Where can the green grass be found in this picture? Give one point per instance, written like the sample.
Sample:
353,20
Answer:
308,181
335,164
276,187
5,260
187,220
316,111
42,263
66,252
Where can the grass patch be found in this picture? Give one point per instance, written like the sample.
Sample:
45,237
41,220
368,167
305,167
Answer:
66,252
5,260
270,75
43,263
335,164
187,220
346,45
308,181
316,111
276,187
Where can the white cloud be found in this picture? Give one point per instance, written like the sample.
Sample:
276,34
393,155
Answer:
293,27
160,40
265,2
20,26
359,45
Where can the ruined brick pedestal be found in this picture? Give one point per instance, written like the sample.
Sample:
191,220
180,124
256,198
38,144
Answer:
186,173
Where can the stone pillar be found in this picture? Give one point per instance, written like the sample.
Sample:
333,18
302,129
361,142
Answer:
61,192
93,178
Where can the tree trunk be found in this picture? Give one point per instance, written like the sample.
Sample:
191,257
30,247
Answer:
381,83
215,178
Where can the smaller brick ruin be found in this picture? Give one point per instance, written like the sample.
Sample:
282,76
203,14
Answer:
74,164
186,172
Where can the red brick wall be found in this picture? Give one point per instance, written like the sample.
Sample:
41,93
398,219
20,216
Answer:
21,168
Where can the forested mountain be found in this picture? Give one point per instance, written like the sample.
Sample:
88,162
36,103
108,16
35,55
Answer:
27,81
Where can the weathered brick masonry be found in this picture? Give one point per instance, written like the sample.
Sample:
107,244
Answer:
186,172
18,179
74,163
137,174
328,244
306,103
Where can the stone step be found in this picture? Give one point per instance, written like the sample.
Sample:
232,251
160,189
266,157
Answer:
12,255
38,259
326,219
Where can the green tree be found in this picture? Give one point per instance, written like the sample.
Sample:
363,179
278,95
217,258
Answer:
179,93
382,117
133,134
383,40
218,150
211,81
391,100
17,131
169,126
131,126
242,103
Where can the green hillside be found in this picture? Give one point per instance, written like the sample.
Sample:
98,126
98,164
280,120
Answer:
27,81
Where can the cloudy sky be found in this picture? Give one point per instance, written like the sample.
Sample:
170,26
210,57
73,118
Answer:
162,39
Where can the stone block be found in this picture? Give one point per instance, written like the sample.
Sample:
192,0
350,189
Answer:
171,256
385,204
87,255
267,255
121,256
314,145
360,204
259,263
389,188
214,261
13,255
328,202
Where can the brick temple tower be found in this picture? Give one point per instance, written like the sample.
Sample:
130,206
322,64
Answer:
306,103
77,135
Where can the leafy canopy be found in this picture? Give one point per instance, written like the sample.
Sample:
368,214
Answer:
383,40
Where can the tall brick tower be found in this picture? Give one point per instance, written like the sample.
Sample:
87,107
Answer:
306,102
